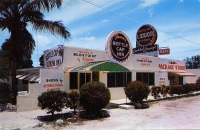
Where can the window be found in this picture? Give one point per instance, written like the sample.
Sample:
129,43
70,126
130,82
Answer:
73,80
95,76
118,79
148,78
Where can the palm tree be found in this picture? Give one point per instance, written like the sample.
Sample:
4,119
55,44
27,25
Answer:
16,14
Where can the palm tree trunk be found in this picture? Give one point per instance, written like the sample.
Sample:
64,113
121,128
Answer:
14,80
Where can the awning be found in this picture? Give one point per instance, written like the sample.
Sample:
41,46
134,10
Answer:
100,66
182,74
31,77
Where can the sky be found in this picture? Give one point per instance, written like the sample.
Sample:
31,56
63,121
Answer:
91,21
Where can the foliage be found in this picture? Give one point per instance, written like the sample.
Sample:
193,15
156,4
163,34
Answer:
164,90
23,57
41,59
155,91
53,101
193,62
6,95
136,91
4,66
173,89
73,100
15,15
4,90
94,96
197,84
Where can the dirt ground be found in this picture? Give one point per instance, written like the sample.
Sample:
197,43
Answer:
181,113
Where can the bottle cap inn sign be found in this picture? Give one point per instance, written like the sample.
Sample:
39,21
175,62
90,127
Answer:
119,47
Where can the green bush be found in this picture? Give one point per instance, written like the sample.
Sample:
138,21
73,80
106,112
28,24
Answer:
6,95
53,101
155,91
187,88
73,100
4,90
94,96
136,91
176,89
197,87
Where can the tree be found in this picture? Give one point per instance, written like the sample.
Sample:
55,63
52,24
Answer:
4,66
136,91
23,57
94,96
16,14
53,101
73,100
41,59
193,62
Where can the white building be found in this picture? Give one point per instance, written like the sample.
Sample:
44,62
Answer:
68,68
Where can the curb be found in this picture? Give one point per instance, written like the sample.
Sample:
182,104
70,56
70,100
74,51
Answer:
173,97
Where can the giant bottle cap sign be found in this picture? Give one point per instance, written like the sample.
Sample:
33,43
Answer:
119,47
146,36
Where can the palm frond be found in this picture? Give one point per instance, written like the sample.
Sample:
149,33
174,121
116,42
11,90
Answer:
53,27
45,5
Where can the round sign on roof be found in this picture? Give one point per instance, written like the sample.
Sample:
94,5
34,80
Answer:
119,47
146,36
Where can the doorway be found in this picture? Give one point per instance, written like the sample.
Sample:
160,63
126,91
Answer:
84,78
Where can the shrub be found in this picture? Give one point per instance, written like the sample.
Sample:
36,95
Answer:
166,90
155,91
4,90
198,84
177,89
52,101
136,91
6,96
187,88
94,96
73,100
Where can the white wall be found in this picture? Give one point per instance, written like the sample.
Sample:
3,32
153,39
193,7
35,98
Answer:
192,79
29,102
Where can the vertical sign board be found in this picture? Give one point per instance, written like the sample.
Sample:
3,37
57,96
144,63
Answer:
53,57
119,47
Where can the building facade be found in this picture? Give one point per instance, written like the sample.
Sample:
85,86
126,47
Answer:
68,68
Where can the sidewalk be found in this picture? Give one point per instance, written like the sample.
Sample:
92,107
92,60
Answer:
23,120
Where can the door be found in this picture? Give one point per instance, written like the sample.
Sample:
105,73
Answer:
84,78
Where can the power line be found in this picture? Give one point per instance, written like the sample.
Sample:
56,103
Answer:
104,8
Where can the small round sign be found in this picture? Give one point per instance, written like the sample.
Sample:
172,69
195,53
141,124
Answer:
146,36
119,47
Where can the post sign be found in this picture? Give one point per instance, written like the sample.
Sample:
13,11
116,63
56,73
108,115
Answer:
164,51
146,36
119,47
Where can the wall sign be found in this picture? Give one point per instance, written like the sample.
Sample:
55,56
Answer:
172,65
119,47
145,61
53,57
85,56
146,36
145,49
